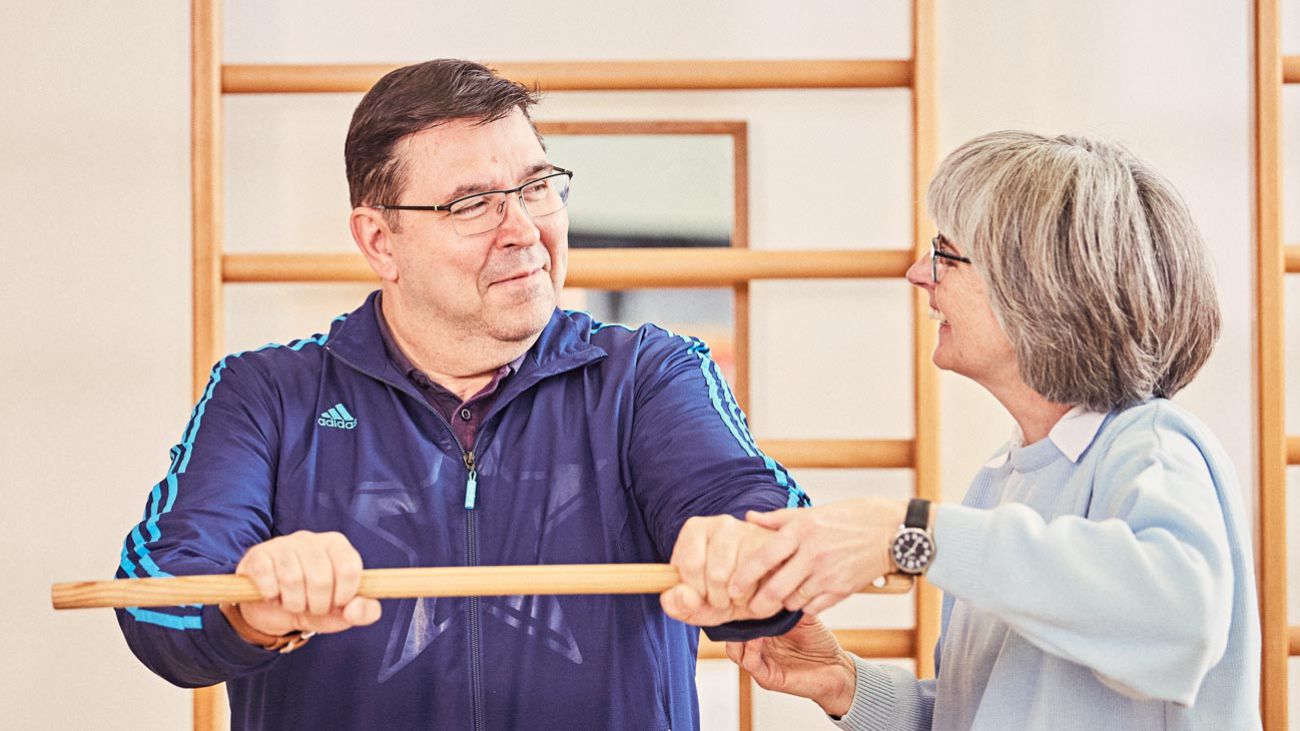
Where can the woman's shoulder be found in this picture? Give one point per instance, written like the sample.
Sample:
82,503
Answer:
1152,418
1160,429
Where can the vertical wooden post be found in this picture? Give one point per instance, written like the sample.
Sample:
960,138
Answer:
205,181
1269,342
925,376
740,238
206,221
746,702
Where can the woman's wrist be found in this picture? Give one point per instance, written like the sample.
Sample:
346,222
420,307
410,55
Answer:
839,697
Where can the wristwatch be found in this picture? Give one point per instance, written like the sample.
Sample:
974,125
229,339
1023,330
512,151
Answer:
913,546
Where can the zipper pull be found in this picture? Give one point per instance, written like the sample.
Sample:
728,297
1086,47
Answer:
471,481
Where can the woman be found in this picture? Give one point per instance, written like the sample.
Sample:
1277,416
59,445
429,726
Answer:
1098,573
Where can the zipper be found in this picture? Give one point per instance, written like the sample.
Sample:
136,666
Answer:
476,678
471,480
471,497
471,553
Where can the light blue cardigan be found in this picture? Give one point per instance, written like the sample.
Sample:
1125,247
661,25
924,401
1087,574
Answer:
1101,578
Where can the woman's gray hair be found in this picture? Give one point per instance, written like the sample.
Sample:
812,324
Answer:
1094,266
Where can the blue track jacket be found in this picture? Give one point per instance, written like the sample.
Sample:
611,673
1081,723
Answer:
596,451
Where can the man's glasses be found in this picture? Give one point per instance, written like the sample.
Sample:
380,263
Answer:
482,212
936,271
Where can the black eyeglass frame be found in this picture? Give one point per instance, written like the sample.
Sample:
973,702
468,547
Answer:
557,171
936,254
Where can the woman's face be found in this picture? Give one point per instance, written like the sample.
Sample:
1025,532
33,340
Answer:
971,342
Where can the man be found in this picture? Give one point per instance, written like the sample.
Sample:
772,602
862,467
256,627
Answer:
455,418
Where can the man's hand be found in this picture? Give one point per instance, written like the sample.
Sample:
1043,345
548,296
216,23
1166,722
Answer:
708,553
842,547
308,582
807,661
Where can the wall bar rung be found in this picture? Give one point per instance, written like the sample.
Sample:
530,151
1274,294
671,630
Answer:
1293,450
616,269
1292,257
1293,640
641,127
591,75
840,453
867,643
1291,69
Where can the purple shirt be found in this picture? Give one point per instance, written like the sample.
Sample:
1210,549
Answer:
464,417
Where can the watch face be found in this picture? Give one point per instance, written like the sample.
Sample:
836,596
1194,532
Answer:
912,550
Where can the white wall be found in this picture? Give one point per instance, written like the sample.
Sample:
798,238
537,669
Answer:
95,295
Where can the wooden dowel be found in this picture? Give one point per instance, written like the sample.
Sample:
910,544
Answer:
616,127
592,75
1293,641
865,643
1270,362
840,453
616,269
1292,257
1291,69
1293,450
632,578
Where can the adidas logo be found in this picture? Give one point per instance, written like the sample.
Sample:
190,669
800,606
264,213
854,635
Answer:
337,417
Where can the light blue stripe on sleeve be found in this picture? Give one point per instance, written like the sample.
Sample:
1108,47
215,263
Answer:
180,462
155,496
697,347
170,621
734,417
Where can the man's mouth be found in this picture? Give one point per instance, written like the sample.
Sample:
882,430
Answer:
937,316
520,276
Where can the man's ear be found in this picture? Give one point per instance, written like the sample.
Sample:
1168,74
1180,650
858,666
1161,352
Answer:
375,239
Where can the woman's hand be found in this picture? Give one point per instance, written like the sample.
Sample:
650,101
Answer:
843,547
707,555
807,661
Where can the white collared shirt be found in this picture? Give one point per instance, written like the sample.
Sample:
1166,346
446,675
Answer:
1072,434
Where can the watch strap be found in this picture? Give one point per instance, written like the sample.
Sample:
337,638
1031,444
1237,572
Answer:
918,514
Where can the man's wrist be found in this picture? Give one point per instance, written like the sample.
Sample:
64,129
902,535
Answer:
838,702
275,643
246,631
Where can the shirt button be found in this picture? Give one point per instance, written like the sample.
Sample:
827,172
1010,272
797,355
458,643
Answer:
464,414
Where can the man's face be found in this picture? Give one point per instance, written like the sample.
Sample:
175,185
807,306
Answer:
502,283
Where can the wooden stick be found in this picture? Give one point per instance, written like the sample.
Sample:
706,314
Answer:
1291,255
613,268
627,578
1270,360
840,453
866,643
690,74
925,377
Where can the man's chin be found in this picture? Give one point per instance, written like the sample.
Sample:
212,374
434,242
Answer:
523,323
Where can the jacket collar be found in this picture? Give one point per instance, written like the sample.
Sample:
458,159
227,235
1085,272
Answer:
563,346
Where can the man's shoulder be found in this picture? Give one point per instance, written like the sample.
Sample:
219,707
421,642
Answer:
618,338
276,361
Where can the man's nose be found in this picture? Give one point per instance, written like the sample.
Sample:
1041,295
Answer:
517,227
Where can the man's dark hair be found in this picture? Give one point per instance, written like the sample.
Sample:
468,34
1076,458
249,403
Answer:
415,98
